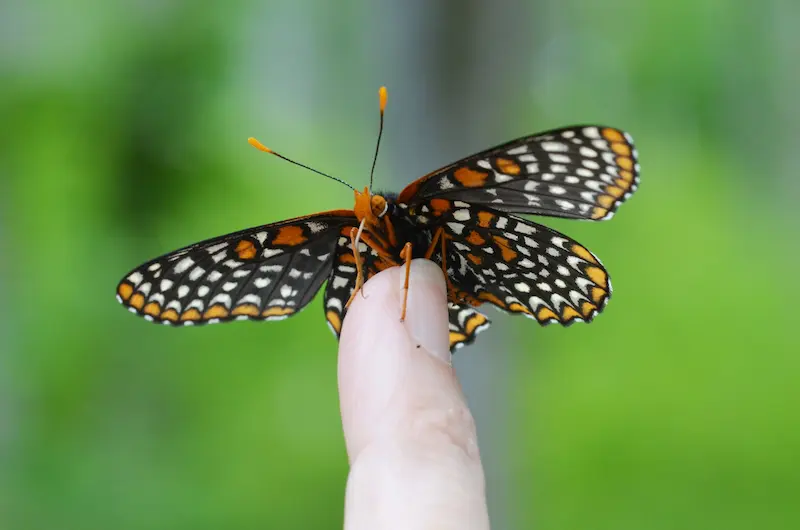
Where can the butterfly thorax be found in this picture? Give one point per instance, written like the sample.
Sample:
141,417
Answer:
388,226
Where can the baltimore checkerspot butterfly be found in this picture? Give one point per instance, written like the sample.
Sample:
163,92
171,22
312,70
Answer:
464,217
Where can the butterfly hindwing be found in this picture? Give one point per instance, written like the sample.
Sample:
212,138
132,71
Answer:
519,266
580,172
264,273
342,279
465,323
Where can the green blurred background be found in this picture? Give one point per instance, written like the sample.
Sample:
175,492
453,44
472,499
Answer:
123,137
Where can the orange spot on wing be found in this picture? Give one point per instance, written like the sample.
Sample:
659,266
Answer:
475,238
347,258
597,275
605,201
216,311
246,249
476,320
484,218
598,294
489,297
508,166
277,311
334,320
137,301
508,254
569,313
125,290
506,251
170,314
474,259
546,314
456,338
191,314
246,309
518,308
440,206
152,309
587,308
613,135
615,191
469,177
621,149
624,162
626,175
381,265
599,213
583,253
622,183
291,236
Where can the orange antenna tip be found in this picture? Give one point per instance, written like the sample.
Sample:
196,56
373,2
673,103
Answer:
383,94
258,145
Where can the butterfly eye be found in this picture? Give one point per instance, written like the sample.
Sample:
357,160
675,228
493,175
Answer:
379,206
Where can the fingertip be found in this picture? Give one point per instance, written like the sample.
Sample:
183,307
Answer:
380,355
374,316
426,313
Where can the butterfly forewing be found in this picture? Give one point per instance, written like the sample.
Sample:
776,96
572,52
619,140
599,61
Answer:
263,273
581,172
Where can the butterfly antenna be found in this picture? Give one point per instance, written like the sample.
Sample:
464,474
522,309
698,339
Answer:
382,95
261,147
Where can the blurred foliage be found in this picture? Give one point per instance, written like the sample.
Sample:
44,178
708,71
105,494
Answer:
123,138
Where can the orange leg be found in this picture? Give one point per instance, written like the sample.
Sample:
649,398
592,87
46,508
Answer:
450,288
383,255
406,255
440,236
379,250
436,236
355,238
375,236
390,231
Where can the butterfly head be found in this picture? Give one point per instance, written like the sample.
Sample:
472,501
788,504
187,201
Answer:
370,207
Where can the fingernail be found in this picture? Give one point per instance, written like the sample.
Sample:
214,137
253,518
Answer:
426,313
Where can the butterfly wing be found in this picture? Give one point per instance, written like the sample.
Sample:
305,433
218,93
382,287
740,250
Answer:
264,273
519,266
579,172
465,324
342,279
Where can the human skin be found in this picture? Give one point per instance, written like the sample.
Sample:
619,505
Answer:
410,437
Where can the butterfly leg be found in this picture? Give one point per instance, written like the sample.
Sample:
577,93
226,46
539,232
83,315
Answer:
406,255
434,240
440,237
450,287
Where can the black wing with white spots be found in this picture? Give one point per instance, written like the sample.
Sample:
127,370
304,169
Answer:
520,266
263,273
580,172
342,280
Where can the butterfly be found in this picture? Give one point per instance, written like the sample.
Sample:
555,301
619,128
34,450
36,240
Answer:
465,217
